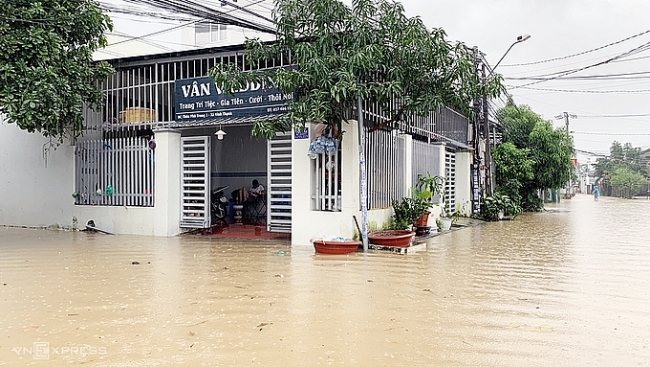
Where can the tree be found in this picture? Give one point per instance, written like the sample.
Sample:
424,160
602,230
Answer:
533,156
46,67
552,150
517,123
627,181
514,169
370,51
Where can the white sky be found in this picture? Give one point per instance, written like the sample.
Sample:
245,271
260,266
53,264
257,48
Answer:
558,28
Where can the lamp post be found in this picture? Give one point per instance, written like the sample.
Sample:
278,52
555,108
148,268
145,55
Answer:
486,120
520,39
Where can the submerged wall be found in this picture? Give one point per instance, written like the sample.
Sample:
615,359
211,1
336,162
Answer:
36,179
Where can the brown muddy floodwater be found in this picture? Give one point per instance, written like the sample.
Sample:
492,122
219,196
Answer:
563,288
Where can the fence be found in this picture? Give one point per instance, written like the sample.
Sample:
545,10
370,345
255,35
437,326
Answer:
114,172
384,166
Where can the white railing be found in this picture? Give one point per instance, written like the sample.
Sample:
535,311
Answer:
114,172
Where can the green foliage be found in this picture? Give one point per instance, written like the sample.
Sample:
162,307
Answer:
517,122
46,67
626,180
621,156
407,210
493,205
427,187
552,150
514,169
371,51
533,156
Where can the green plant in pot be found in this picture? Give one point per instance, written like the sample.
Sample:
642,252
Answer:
414,211
497,206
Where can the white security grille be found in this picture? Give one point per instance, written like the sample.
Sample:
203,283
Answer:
114,172
327,173
195,185
385,162
280,182
450,182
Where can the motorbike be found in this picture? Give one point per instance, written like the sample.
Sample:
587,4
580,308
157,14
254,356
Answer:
218,204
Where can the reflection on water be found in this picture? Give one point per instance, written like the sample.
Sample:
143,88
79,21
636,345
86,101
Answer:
563,288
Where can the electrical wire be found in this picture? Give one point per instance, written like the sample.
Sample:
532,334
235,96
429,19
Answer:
201,11
579,53
616,116
607,133
644,47
586,90
619,76
171,28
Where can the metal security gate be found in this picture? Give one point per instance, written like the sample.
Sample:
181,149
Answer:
195,185
280,182
450,182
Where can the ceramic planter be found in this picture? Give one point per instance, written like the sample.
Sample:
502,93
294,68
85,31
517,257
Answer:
397,238
336,247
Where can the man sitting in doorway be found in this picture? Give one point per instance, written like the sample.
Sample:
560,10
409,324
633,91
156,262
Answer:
252,194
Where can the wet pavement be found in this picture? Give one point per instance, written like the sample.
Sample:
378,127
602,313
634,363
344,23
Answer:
569,287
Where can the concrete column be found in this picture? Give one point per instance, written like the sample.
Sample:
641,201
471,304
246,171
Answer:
464,182
408,164
167,206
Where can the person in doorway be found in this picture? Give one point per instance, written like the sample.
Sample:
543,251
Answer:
252,193
596,193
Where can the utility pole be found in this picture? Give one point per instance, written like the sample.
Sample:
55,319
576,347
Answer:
565,116
486,131
476,128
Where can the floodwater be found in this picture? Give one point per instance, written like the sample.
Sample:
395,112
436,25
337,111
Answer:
568,287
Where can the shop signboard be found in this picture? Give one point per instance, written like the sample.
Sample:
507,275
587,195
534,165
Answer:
200,99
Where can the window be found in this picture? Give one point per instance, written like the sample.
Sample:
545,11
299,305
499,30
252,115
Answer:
208,32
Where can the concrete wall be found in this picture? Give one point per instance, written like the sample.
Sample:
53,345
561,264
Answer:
308,223
36,189
463,182
36,183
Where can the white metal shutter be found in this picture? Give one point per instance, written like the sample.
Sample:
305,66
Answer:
280,180
450,182
195,184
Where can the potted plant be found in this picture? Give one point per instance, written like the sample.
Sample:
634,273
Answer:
497,206
426,189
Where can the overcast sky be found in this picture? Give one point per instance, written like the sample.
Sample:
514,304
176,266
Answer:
558,28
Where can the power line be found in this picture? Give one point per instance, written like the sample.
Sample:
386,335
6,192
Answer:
633,51
606,133
616,116
585,90
634,75
173,28
579,53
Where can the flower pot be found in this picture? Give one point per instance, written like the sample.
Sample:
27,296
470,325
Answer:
423,220
336,247
397,238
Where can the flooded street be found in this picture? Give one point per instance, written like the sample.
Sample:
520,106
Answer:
570,287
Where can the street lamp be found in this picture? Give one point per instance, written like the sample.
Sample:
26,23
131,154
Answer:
486,120
520,39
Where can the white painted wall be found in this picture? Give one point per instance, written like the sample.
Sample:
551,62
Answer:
35,188
463,182
307,223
